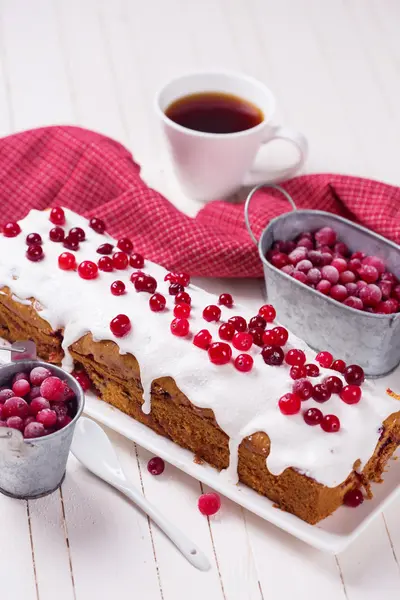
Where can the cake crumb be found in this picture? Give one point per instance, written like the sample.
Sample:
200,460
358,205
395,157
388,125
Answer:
198,460
392,394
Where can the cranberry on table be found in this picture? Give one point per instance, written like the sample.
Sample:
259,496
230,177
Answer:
239,323
258,321
156,466
353,498
120,326
135,275
303,388
117,288
57,216
209,504
325,359
183,297
242,341
175,288
321,393
219,353
295,357
351,394
34,430
56,234
145,283
157,302
105,263
11,229
105,249
179,327
182,311
77,233
212,313
244,363
35,253
297,372
334,384
182,278
267,312
67,261
226,331
136,261
313,416
125,244
97,225
88,270
83,380
257,333
289,404
338,365
52,389
272,355
281,335
72,243
203,339
269,338
120,260
311,370
33,239
330,423
226,300
354,375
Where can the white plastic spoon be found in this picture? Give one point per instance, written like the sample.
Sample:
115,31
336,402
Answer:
94,450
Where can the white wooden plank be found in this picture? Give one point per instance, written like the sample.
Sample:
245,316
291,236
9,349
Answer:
16,558
5,100
34,65
48,532
392,523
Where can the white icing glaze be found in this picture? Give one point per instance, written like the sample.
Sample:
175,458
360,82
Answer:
243,403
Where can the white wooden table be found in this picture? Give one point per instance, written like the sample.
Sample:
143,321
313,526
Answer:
334,66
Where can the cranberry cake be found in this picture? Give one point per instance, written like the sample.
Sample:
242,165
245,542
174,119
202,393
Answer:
235,388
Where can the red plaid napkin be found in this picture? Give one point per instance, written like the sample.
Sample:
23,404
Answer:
96,176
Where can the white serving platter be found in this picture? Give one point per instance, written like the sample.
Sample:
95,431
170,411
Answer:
332,535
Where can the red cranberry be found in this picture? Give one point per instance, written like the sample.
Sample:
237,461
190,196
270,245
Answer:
295,357
117,288
83,380
304,266
47,417
126,245
183,298
179,327
226,300
120,326
97,224
321,392
285,247
267,312
33,430
352,289
354,375
269,338
156,466
170,277
38,375
20,375
334,384
63,422
105,263
212,313
376,262
330,273
145,283
338,292
15,407
57,234
316,258
386,289
297,372
57,216
279,260
281,335
105,249
354,265
347,277
289,404
5,394
135,275
35,253
219,353
136,261
120,260
33,239
341,248
21,388
370,295
175,288
306,243
38,404
209,504
340,264
368,273
325,236
311,370
244,362
66,261
324,287
52,389
288,269
183,278
351,394
396,293
272,355
325,359
354,302
313,416
15,423
257,333
226,331
71,243
258,321
330,423
242,341
303,388
11,229
88,270
157,303
300,276
239,323
77,233
182,311
314,276
387,307
297,255
338,365
203,339
353,498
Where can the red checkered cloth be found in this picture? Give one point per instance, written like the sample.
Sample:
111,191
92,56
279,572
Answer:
96,176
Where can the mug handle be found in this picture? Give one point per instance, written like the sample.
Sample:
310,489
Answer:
280,133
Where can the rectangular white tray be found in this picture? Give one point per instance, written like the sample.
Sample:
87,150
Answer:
333,534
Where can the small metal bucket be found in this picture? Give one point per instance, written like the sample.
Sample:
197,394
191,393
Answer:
367,339
35,467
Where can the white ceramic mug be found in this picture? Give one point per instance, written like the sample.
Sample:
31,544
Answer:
215,165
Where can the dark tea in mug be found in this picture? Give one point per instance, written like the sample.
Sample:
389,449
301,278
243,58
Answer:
214,112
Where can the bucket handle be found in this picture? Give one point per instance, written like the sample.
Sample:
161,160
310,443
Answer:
248,201
13,437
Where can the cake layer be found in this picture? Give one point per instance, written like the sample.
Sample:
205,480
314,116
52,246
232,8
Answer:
227,418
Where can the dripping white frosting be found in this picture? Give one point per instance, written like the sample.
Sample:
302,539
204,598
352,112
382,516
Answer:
243,403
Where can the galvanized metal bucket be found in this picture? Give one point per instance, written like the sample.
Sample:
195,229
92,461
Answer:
367,339
35,467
